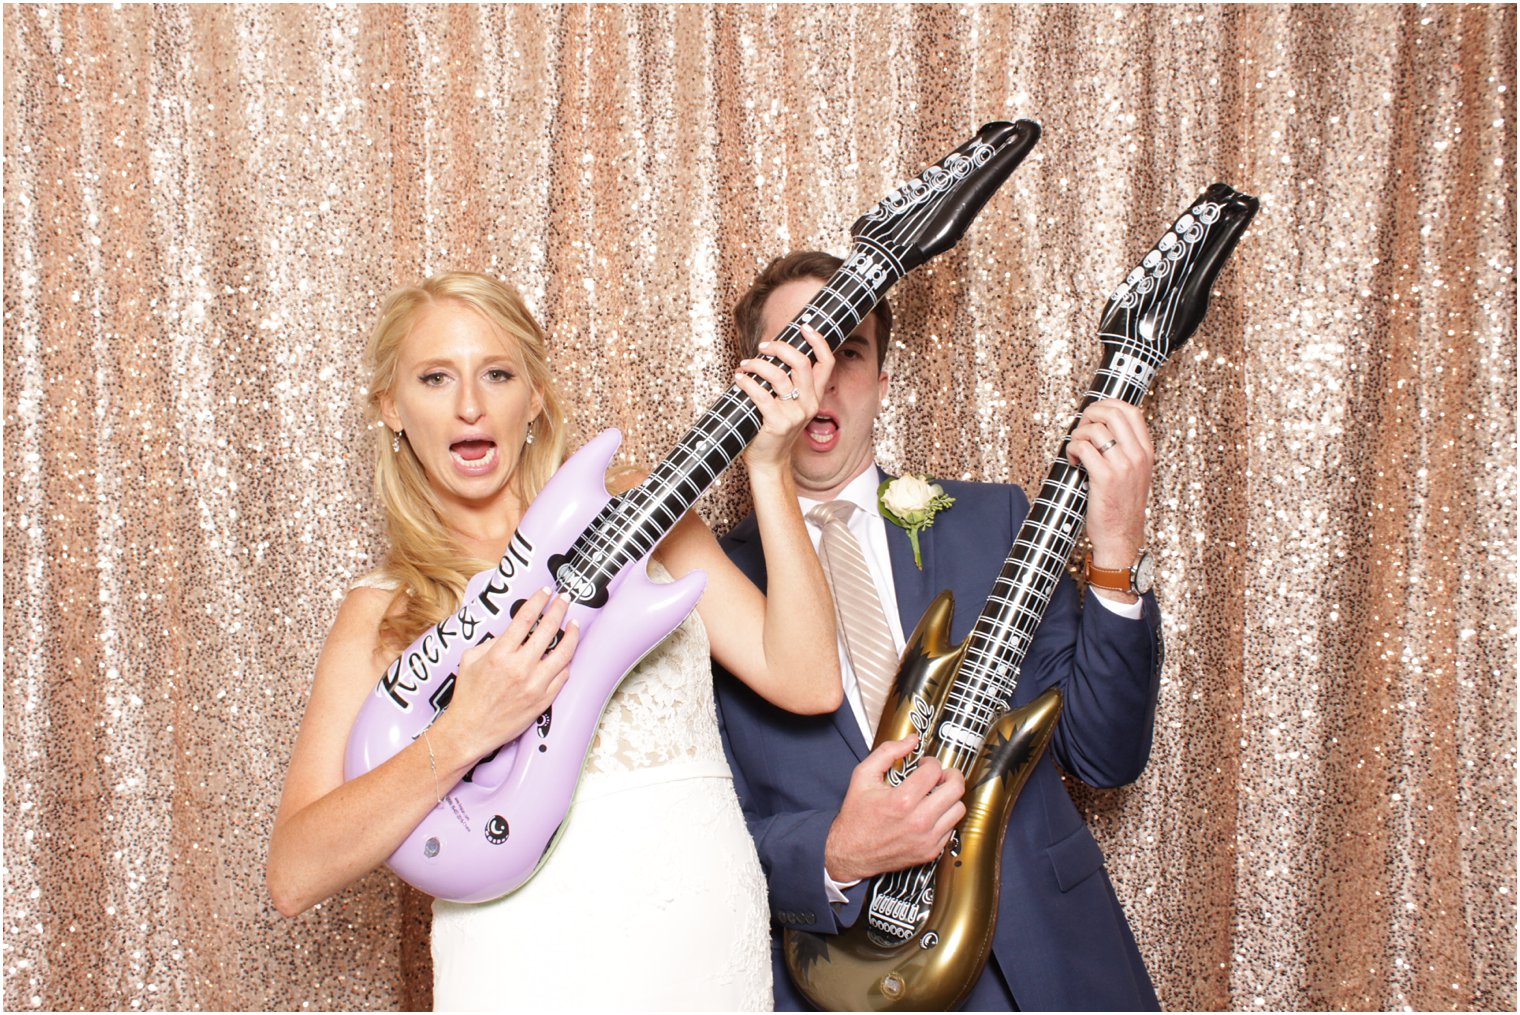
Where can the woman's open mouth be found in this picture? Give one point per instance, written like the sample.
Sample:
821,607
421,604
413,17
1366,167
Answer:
474,456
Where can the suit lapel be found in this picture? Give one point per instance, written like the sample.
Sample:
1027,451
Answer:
849,728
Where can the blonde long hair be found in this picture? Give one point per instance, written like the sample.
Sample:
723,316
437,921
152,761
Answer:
428,563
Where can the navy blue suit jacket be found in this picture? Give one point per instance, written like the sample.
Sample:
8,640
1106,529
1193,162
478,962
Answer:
1062,941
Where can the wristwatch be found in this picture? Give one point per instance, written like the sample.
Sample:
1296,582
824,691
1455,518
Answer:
1136,579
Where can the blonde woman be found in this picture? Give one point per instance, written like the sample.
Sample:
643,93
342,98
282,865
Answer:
653,897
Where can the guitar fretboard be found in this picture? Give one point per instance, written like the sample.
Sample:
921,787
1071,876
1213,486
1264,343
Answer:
1000,638
1145,320
633,523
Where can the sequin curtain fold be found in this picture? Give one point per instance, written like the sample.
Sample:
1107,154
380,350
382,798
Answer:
203,207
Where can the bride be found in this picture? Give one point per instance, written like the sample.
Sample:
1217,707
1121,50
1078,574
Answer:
654,897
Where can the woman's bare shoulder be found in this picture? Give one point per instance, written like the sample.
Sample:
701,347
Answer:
364,600
355,634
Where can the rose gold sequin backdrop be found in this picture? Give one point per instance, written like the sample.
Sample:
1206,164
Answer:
204,207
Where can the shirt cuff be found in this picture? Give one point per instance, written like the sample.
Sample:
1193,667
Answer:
1129,611
835,889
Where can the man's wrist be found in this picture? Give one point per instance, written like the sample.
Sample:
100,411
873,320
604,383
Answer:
1116,555
835,867
834,888
1113,595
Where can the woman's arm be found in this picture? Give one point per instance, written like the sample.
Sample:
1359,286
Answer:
782,644
328,832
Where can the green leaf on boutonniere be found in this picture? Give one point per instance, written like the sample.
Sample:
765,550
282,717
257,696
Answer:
911,502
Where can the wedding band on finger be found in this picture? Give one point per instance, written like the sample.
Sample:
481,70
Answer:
794,393
1104,449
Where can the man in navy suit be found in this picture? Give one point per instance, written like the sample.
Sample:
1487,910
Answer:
824,819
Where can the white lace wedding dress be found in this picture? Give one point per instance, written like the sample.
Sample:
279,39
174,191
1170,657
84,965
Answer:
653,898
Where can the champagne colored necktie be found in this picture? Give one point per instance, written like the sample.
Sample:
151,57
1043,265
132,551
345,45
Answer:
867,638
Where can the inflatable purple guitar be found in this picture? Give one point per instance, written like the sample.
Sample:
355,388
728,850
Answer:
496,826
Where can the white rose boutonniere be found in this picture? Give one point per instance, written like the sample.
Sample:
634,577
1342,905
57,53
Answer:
911,502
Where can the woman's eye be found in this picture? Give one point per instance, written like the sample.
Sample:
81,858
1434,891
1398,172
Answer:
501,376
849,353
433,378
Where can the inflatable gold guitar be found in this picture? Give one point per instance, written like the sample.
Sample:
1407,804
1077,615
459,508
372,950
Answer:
925,933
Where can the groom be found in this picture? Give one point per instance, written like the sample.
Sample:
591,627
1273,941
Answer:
823,818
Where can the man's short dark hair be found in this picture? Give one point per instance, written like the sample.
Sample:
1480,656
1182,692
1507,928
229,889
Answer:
750,310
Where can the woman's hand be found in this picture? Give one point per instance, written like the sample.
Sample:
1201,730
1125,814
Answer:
506,683
792,401
783,645
330,830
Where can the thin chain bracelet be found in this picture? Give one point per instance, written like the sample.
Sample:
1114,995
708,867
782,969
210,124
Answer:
433,764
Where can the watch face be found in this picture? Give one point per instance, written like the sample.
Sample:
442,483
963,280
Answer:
1144,573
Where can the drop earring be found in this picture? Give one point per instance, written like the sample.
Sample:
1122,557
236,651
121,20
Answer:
529,438
396,441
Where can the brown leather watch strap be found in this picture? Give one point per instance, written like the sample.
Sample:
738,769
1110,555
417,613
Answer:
1114,579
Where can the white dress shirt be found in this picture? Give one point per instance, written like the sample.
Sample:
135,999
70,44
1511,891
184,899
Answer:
868,525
